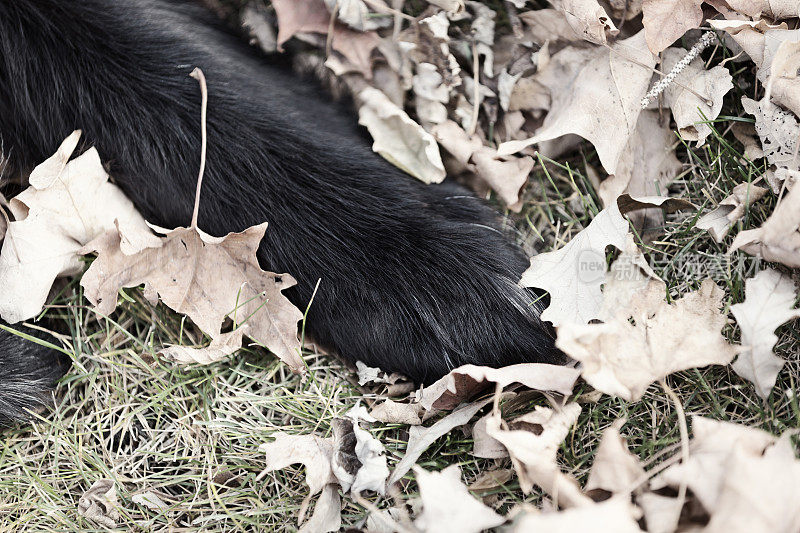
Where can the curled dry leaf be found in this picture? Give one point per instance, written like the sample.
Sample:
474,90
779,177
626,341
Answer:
482,444
447,505
594,104
643,338
783,84
769,303
719,221
588,19
532,441
399,139
665,21
615,469
208,279
68,204
358,460
615,515
311,16
689,111
314,452
778,239
505,175
420,438
99,504
468,381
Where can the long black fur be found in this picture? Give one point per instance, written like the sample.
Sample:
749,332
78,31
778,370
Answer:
415,278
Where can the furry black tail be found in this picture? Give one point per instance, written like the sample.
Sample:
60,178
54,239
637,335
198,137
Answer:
414,278
27,373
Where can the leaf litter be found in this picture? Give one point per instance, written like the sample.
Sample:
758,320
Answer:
428,90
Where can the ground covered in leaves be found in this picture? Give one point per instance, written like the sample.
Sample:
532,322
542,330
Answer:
697,185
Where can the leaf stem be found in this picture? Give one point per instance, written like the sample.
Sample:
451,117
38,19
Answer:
200,77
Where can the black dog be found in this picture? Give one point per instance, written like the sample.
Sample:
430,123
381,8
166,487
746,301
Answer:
415,278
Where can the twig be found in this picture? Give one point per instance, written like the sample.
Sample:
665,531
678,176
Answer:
200,77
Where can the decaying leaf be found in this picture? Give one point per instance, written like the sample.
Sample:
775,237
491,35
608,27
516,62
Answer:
391,412
665,21
623,358
778,130
467,381
420,438
358,460
778,239
615,515
594,104
769,302
690,112
776,9
99,504
447,505
719,221
615,469
532,441
206,278
68,204
398,138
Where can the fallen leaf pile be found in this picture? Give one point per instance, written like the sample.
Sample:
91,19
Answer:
446,93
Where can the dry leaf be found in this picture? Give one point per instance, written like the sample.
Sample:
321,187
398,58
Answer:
99,503
355,14
151,500
327,516
776,9
314,452
648,165
390,412
588,19
447,505
482,444
548,25
759,492
719,221
399,139
615,515
467,381
68,204
665,21
420,438
368,374
533,441
615,469
769,302
594,104
489,479
574,273
783,84
778,130
451,6
623,358
689,111
311,16
778,239
358,460
208,279
744,478
746,134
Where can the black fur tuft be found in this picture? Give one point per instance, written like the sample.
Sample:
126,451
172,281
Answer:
415,278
